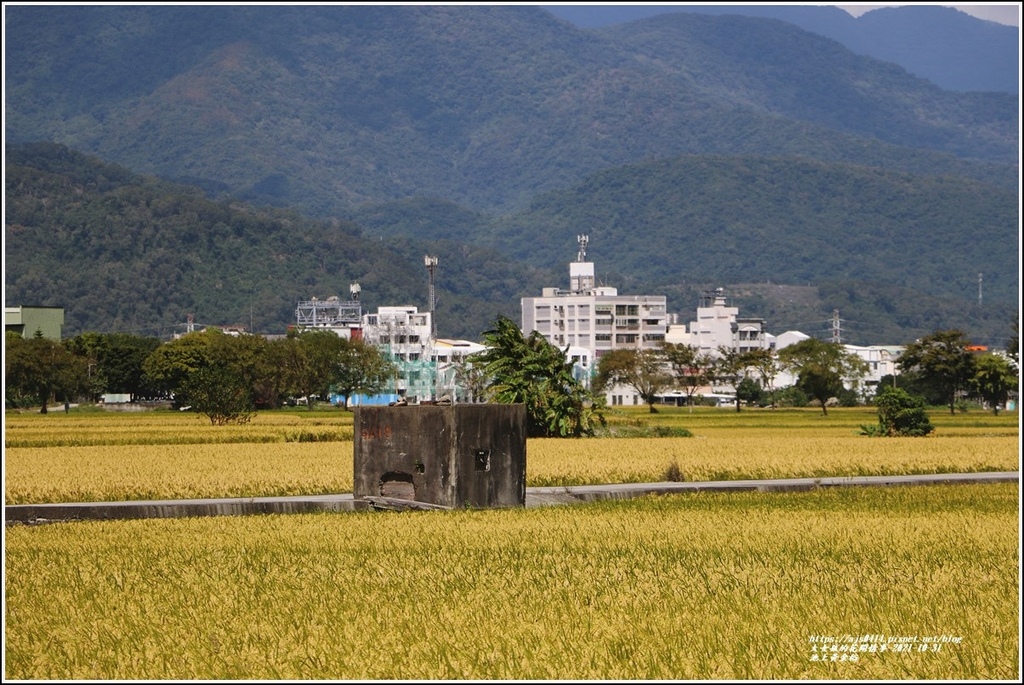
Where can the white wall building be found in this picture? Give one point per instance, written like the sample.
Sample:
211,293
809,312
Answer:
593,320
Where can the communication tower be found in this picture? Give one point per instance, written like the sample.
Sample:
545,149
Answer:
431,264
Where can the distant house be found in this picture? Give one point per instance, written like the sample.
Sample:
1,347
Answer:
26,321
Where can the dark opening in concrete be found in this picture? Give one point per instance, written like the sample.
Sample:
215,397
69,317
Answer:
397,485
482,460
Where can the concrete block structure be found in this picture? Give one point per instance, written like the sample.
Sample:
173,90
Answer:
468,455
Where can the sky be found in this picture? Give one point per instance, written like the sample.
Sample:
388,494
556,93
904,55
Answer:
1005,13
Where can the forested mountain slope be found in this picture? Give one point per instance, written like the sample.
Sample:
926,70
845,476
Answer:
896,252
123,253
322,108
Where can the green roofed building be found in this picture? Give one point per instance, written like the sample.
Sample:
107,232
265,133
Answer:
27,320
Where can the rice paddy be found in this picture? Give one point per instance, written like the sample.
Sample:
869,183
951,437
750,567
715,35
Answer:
832,584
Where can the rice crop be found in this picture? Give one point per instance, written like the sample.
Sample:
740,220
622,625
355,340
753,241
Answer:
169,455
833,584
148,472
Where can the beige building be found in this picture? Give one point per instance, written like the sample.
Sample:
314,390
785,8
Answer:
25,321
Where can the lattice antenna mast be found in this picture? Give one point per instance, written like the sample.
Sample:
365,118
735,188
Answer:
583,240
431,264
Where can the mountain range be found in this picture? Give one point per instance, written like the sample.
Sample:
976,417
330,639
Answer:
697,150
950,48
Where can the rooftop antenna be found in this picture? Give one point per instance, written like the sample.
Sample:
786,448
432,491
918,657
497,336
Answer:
583,240
431,264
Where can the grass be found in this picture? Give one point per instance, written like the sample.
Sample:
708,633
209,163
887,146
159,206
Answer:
704,586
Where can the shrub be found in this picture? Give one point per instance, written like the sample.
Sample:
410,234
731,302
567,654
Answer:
899,414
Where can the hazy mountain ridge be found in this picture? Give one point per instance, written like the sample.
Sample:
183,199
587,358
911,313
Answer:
322,108
793,74
950,48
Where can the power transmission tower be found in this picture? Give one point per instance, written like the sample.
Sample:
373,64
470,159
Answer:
837,336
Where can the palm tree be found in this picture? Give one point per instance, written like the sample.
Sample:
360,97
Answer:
531,371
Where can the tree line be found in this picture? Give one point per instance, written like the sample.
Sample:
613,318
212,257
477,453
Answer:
941,368
229,377
223,376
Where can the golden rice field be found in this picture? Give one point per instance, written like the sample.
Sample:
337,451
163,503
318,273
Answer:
169,455
917,583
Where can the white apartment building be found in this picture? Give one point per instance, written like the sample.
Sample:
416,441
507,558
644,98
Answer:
403,331
588,321
719,325
593,320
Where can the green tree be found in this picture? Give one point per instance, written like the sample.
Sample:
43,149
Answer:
532,371
993,380
114,361
218,391
943,360
471,379
311,360
899,414
691,369
821,368
766,363
749,391
41,370
729,367
174,365
646,371
169,365
361,368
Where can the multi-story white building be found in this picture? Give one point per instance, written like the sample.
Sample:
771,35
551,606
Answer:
719,325
593,320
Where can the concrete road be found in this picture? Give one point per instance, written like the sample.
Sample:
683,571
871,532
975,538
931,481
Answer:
535,497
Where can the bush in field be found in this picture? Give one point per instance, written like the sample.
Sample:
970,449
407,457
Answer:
899,414
791,397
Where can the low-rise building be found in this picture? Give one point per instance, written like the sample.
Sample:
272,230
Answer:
26,321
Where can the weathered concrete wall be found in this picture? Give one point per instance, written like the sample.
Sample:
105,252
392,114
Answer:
454,456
